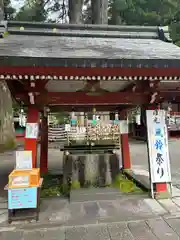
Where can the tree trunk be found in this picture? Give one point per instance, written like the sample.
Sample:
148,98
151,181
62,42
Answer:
116,18
75,17
7,134
75,11
99,11
1,10
99,16
115,13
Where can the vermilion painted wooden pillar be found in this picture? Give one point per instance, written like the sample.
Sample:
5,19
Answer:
31,144
125,152
160,188
44,145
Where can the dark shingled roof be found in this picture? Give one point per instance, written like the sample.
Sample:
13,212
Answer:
82,45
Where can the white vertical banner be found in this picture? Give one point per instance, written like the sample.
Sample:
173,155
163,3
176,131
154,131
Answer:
158,147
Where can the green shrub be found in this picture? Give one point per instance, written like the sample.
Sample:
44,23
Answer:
75,185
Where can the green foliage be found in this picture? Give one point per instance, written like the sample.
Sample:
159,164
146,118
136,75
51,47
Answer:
32,11
9,11
75,185
175,33
178,43
16,109
130,12
144,12
42,10
59,118
8,145
52,186
62,118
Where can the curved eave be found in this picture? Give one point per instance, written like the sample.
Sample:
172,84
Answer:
115,73
36,62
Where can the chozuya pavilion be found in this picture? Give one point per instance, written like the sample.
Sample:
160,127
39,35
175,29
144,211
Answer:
58,66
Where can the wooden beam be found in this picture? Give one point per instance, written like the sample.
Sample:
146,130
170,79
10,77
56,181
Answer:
44,144
80,98
73,71
110,98
86,108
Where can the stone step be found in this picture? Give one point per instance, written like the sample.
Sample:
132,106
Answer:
95,194
3,203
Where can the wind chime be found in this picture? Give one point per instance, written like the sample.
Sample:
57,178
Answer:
22,119
138,116
73,119
94,114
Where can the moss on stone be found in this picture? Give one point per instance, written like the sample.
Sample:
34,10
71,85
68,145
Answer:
5,34
125,185
75,185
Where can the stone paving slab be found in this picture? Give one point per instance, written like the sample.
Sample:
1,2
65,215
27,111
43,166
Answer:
95,194
174,223
141,231
45,234
79,213
119,232
126,218
151,229
169,205
100,211
155,206
132,207
162,230
176,200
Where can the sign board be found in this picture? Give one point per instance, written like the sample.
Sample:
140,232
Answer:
124,129
23,159
67,127
158,146
32,130
19,198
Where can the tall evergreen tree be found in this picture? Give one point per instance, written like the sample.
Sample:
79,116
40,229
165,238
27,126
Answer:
7,134
75,11
99,11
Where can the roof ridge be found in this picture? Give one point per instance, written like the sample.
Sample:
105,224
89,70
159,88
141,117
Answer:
164,34
94,27
84,34
82,30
